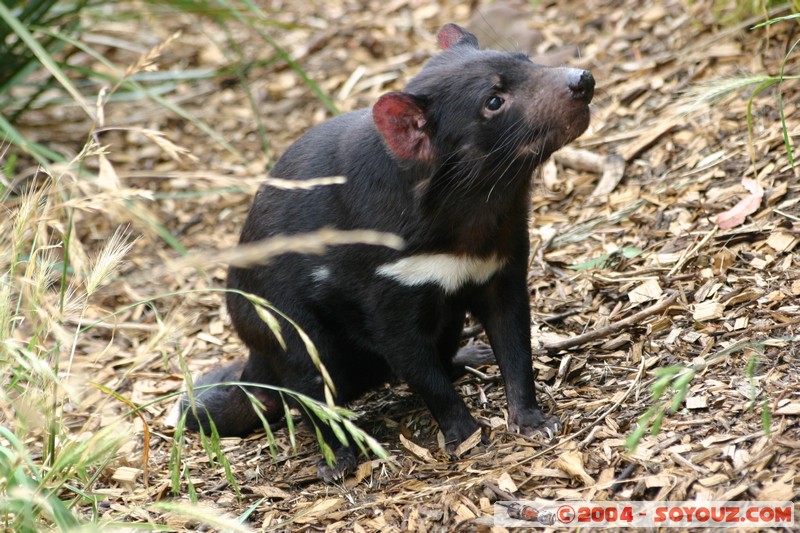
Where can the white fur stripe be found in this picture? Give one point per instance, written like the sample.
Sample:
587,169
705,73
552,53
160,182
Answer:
451,272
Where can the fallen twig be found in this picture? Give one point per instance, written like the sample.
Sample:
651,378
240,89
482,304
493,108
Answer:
682,261
552,347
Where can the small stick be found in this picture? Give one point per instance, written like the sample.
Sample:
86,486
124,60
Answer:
560,317
581,159
623,476
500,493
682,261
571,342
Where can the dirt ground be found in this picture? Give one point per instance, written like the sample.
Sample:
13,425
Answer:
658,164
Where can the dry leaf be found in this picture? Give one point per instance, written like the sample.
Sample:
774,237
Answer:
746,206
363,471
270,492
107,177
318,510
795,287
571,462
418,451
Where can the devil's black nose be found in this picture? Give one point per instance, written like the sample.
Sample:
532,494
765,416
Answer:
582,85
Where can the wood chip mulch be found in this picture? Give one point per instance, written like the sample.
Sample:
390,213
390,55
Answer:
623,220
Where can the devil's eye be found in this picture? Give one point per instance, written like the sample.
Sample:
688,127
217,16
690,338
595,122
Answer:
493,103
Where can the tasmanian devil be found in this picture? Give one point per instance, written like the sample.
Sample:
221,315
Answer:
446,164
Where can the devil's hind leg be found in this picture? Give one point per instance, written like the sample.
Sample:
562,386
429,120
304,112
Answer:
230,408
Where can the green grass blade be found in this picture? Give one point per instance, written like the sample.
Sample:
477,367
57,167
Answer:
786,141
44,57
130,85
775,20
42,155
282,53
768,82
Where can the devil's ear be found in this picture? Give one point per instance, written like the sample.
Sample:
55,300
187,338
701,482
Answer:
400,117
454,35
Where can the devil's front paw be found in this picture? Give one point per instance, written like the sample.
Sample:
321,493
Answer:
457,434
344,465
534,423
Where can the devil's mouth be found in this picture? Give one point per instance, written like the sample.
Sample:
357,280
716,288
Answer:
557,137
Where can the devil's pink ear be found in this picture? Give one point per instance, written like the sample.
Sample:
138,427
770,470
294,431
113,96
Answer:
453,34
400,117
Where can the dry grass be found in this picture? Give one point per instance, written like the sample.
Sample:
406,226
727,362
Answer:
111,285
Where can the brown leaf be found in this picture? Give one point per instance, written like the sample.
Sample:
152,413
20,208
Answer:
418,451
571,462
271,492
318,510
746,206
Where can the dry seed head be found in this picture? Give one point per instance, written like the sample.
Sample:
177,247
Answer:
305,185
99,107
711,92
162,341
147,61
6,305
40,275
78,256
23,219
108,259
315,242
107,177
36,368
61,172
74,302
171,149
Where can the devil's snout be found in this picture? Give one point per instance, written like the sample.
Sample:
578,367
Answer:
581,85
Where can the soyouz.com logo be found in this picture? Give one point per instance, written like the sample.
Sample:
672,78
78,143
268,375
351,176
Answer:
643,514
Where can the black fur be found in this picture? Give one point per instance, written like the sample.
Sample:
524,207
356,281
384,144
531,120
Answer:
454,179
